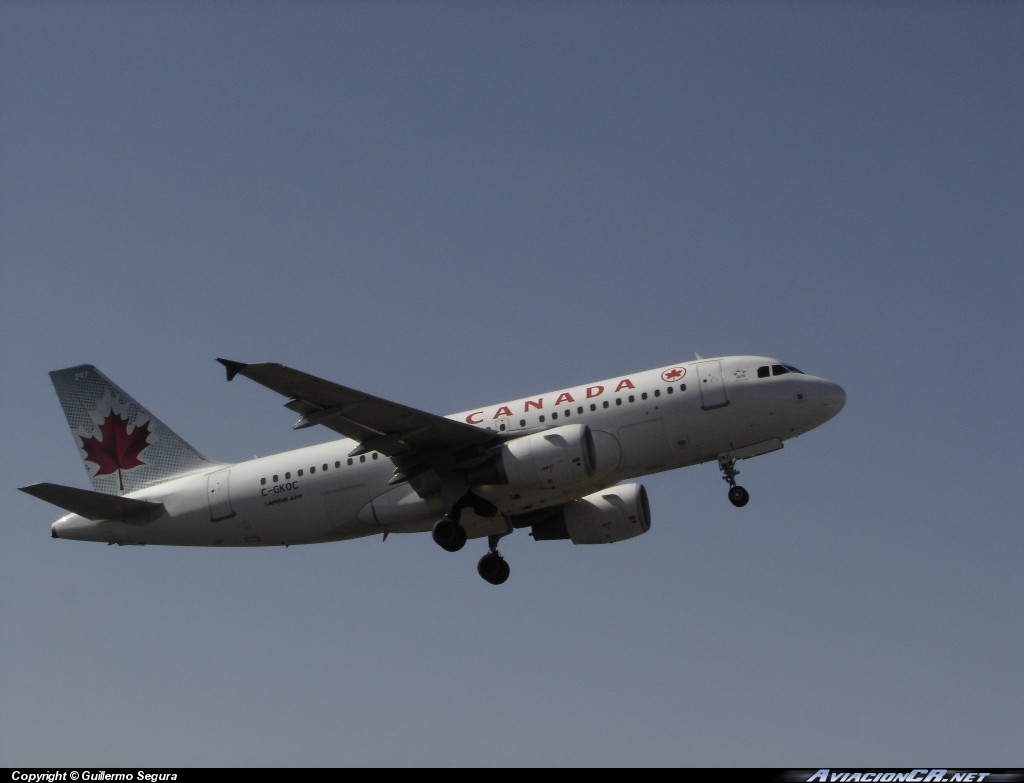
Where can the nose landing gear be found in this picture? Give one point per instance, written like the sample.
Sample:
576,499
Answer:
738,496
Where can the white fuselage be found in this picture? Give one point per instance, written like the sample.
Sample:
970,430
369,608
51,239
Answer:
642,423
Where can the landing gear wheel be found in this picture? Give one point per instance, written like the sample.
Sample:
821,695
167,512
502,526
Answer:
738,496
493,568
449,535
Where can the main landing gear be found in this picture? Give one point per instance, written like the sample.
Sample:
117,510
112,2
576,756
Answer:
492,566
738,496
449,534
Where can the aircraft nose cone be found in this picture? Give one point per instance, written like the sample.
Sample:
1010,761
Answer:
833,397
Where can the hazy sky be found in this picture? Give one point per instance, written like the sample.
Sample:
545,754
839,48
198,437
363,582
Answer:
455,203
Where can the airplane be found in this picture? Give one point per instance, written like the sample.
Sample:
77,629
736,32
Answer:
554,463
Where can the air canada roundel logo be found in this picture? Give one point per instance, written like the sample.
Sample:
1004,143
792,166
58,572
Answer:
115,449
674,374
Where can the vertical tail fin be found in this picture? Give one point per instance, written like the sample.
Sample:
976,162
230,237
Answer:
124,446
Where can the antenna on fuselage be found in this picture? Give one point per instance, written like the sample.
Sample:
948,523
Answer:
697,355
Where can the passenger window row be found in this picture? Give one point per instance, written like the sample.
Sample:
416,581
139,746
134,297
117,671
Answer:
323,468
580,410
567,413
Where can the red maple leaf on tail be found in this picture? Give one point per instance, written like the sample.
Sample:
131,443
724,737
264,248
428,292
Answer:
118,450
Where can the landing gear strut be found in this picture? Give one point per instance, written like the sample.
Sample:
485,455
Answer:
738,496
492,566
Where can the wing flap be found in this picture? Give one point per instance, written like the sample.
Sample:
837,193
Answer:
96,506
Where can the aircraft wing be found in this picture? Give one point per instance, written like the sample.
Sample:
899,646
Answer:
414,440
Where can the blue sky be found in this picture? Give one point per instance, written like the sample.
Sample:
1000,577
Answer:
451,204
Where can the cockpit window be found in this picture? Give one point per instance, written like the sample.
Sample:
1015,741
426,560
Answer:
777,369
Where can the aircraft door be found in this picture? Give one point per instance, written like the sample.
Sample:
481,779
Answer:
712,387
504,424
217,494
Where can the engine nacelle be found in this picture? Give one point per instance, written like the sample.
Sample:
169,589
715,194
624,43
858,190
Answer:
604,517
555,457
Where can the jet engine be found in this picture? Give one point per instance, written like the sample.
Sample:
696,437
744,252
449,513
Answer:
613,514
561,456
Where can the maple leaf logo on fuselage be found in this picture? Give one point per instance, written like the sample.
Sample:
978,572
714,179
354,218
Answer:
116,449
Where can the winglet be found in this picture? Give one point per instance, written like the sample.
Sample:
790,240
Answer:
233,368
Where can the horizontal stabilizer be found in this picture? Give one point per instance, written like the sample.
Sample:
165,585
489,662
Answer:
91,505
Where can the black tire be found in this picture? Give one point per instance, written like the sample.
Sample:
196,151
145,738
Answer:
449,535
503,574
739,497
493,568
